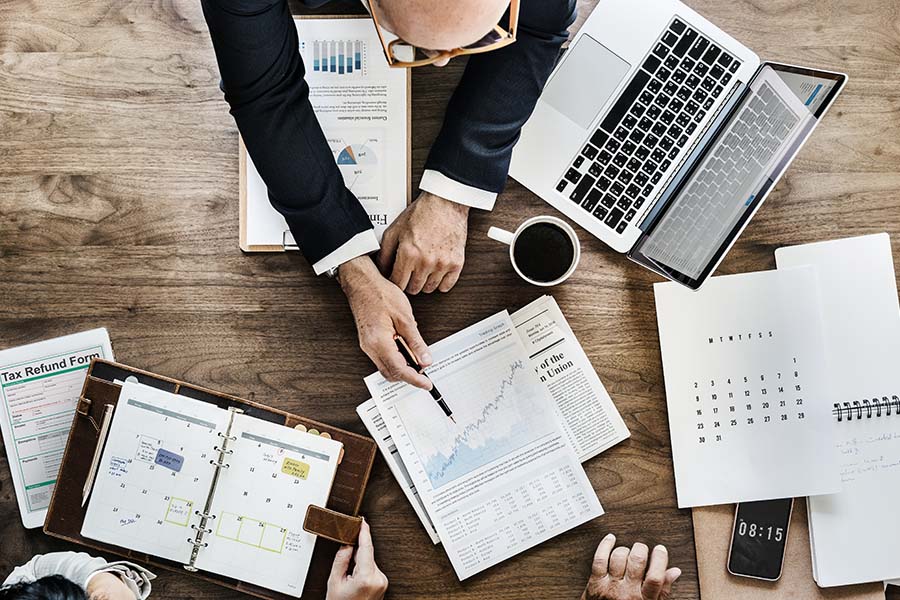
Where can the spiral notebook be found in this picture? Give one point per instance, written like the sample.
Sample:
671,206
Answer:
854,533
214,489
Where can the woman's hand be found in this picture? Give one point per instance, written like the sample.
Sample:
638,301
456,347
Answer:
366,582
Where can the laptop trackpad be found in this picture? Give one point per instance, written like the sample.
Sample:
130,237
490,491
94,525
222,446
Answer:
589,74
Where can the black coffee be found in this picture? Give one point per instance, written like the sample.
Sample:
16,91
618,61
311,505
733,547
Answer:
543,252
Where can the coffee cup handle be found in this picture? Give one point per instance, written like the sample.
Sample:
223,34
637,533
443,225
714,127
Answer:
501,235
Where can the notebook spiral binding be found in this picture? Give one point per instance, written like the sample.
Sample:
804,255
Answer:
205,515
867,409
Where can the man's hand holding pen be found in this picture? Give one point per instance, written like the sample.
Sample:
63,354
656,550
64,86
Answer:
413,361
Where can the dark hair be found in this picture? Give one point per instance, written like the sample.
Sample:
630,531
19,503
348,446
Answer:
54,587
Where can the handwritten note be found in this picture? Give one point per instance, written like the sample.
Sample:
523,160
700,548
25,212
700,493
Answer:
864,456
169,460
147,448
295,468
118,466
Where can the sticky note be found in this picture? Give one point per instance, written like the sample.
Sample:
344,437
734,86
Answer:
295,468
169,460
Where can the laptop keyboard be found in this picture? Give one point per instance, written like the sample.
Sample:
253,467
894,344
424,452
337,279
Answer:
710,206
648,126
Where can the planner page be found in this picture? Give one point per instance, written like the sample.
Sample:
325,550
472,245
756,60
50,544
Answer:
501,476
274,473
862,334
746,388
155,472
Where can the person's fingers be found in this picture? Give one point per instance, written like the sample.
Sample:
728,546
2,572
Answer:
433,281
403,268
600,566
341,563
365,551
637,561
385,258
449,280
396,369
417,279
617,561
407,328
656,573
671,576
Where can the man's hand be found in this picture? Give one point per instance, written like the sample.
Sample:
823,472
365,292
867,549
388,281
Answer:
424,249
623,574
366,582
382,310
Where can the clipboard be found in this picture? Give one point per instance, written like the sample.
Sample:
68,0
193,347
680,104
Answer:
337,522
287,242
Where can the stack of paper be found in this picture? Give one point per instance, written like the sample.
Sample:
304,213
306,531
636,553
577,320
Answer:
854,533
507,475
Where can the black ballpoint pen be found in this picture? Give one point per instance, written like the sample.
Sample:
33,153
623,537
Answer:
413,362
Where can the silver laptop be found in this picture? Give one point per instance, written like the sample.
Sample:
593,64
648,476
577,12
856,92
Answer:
662,135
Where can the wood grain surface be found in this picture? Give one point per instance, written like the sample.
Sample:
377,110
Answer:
119,208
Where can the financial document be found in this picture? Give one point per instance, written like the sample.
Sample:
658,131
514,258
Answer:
362,105
39,387
504,477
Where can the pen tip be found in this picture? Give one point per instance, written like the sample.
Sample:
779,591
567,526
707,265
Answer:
452,419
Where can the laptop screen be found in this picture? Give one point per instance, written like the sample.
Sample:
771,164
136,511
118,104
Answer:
726,182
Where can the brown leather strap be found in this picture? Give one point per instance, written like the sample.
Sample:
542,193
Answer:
332,525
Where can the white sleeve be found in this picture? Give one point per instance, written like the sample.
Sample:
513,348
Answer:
435,182
361,243
74,566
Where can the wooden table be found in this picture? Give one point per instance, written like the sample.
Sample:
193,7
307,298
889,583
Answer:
118,208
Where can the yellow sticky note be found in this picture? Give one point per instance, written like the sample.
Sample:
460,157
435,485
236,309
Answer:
295,468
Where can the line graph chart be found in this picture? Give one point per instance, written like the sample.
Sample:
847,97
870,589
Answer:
498,410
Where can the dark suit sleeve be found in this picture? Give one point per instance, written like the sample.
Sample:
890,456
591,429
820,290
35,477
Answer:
496,95
263,78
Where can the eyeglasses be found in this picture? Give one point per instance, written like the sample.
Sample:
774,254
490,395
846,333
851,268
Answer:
403,55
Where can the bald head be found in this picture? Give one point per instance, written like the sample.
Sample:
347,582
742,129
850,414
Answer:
440,24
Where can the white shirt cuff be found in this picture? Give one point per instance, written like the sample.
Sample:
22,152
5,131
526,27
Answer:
361,243
435,182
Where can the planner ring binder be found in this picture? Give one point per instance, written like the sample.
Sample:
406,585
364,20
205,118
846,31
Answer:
876,407
202,529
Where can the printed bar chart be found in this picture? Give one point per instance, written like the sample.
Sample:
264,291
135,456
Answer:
341,57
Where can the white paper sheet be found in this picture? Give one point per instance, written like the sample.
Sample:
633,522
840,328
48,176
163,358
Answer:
362,106
155,472
372,419
274,475
39,387
746,388
503,478
855,532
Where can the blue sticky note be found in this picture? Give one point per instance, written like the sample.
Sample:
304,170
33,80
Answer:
169,460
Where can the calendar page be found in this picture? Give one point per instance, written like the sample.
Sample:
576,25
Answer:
746,388
155,472
274,473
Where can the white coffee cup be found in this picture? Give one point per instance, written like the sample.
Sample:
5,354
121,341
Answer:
511,238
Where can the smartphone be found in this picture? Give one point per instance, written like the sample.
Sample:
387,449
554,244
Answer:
759,537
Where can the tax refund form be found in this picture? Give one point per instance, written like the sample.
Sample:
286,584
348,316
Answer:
39,388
